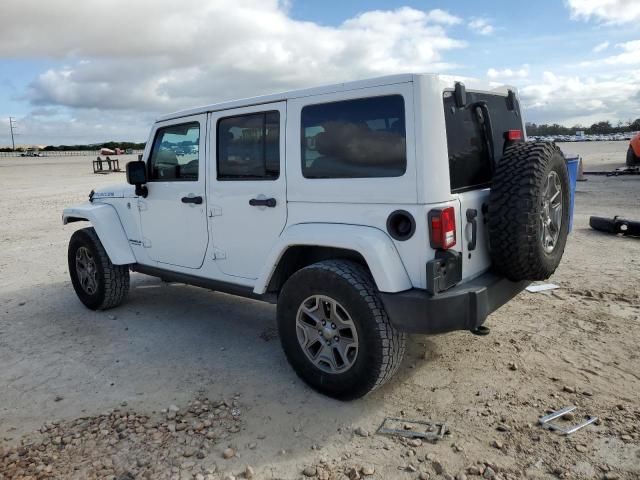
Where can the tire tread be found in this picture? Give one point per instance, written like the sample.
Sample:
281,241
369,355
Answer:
514,211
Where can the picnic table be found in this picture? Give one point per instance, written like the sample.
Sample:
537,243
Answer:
113,165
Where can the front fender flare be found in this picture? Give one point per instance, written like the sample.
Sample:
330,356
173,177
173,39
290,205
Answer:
106,222
373,244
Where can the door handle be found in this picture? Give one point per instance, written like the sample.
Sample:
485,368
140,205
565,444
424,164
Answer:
263,202
472,213
196,200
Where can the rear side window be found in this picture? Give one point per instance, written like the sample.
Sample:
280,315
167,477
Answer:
359,138
249,147
174,156
470,165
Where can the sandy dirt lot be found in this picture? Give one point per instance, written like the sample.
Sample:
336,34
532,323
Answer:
178,378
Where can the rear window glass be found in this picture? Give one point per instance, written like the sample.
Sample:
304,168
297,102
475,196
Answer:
469,160
359,138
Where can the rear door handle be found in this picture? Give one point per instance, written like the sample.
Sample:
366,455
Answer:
196,200
263,202
472,213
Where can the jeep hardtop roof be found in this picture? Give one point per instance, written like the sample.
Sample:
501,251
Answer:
447,81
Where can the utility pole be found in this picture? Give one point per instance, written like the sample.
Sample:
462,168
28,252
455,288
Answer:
12,126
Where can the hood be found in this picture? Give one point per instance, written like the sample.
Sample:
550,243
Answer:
114,191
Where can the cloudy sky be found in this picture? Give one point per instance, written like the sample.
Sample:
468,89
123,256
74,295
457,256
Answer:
96,70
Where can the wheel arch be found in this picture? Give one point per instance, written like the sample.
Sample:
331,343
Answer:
105,221
304,244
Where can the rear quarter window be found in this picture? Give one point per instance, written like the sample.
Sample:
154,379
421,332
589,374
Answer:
360,138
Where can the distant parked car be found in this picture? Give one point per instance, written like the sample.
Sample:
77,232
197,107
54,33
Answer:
31,153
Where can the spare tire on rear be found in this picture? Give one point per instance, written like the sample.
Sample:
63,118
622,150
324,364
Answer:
529,211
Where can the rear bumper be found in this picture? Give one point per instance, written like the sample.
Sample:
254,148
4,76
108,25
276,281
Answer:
463,307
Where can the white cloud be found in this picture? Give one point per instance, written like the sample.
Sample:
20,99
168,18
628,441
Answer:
508,73
572,99
608,11
630,56
163,58
444,17
600,47
142,56
481,26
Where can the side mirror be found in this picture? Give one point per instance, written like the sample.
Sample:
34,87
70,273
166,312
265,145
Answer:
137,175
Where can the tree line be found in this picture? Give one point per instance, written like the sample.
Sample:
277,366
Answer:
92,148
544,129
599,128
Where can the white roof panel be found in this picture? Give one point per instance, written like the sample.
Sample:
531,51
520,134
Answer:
278,97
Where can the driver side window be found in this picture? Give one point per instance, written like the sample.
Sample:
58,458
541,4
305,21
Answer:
174,155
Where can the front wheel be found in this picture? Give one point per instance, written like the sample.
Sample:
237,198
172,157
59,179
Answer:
335,331
98,283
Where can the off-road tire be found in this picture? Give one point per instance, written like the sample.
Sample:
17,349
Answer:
632,159
515,205
381,346
112,280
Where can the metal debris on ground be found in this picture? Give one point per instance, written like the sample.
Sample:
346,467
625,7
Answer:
546,421
616,225
541,287
423,429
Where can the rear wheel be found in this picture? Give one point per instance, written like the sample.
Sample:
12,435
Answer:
529,211
99,284
335,332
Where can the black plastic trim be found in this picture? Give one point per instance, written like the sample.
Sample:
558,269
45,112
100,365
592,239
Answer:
463,307
216,285
460,94
444,271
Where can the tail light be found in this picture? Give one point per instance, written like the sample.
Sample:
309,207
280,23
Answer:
442,228
513,135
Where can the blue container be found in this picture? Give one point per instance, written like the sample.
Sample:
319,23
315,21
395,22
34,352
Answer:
572,165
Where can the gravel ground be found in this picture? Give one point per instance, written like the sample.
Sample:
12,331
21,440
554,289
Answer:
181,382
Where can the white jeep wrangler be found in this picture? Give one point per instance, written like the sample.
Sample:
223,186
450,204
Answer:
365,210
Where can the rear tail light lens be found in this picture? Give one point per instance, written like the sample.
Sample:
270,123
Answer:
513,135
442,228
